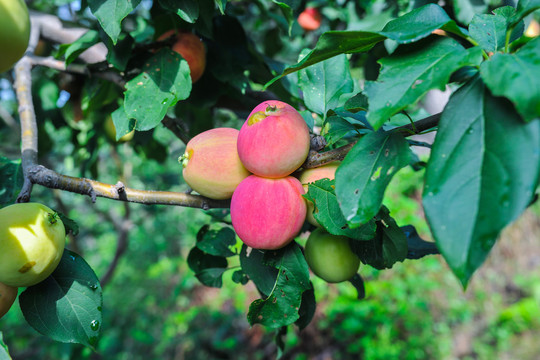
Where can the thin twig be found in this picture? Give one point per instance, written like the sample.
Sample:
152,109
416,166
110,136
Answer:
318,159
40,175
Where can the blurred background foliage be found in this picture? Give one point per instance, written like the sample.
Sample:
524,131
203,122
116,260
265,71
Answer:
155,308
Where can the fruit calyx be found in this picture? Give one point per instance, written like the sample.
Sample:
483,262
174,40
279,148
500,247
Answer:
184,159
261,115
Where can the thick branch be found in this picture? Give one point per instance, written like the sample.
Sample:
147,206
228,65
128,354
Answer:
38,174
318,159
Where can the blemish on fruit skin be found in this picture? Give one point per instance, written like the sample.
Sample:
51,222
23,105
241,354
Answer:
257,117
26,267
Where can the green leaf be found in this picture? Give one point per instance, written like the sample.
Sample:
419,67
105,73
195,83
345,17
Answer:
334,43
516,76
73,50
410,27
387,247
335,128
418,247
358,102
222,4
110,14
217,242
119,55
409,73
208,268
122,123
4,352
324,83
489,31
263,276
164,81
362,177
524,8
328,213
420,23
307,308
70,225
483,171
188,10
240,277
66,306
281,307
287,8
11,180
466,9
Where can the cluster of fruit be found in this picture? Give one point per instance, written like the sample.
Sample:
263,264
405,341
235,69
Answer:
253,167
32,239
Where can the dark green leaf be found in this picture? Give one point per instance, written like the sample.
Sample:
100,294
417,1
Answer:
362,177
287,8
357,103
409,73
240,277
328,213
281,307
208,269
263,276
66,306
110,14
335,128
324,83
524,8
418,247
515,76
188,10
70,225
164,81
307,308
4,352
11,180
218,242
122,123
483,171
119,55
334,43
221,5
73,50
387,247
419,24
358,284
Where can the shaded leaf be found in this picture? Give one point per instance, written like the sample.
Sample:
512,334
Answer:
281,307
418,247
328,213
366,171
66,306
358,284
188,10
409,73
208,268
489,31
240,277
122,123
466,9
524,8
387,247
335,128
483,170
307,308
262,275
218,242
515,76
11,180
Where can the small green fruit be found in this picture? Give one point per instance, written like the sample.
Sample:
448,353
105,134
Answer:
330,257
14,32
32,239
